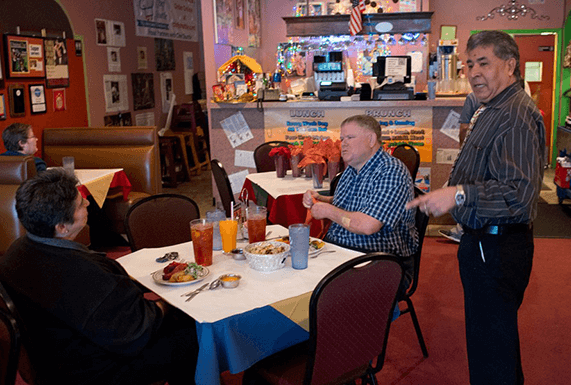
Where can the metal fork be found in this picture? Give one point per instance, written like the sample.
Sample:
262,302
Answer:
195,292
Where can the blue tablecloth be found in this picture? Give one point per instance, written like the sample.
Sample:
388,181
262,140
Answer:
236,343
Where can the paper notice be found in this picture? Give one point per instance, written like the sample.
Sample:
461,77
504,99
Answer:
451,126
236,129
237,180
446,155
244,159
145,119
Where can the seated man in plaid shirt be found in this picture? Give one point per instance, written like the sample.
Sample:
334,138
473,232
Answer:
368,209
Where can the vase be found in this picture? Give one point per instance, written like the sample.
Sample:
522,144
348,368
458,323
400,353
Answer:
308,172
280,162
332,168
317,174
295,159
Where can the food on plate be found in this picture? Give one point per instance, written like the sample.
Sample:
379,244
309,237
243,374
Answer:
266,249
314,244
181,272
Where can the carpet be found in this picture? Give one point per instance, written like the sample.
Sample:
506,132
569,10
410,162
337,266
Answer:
553,221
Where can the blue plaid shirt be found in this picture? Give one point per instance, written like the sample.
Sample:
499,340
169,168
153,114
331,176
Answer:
380,189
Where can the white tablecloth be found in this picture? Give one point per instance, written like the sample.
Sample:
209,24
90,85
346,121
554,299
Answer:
256,289
284,186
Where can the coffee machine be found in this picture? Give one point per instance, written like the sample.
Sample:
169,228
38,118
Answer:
329,76
447,58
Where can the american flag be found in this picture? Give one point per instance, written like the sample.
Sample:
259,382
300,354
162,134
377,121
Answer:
356,21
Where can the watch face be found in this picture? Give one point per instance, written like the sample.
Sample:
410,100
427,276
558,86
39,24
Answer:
460,198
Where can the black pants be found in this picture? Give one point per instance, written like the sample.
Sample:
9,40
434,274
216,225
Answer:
170,356
493,293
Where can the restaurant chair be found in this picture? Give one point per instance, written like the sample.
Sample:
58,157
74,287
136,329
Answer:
409,156
9,348
334,182
21,360
421,221
350,314
223,185
160,220
264,162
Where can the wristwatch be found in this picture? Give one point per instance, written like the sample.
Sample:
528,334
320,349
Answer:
460,196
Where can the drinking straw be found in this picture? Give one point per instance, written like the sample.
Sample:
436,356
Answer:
232,210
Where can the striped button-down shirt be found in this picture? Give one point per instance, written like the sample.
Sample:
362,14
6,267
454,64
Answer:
380,189
501,164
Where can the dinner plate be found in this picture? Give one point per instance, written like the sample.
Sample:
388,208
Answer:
312,250
158,278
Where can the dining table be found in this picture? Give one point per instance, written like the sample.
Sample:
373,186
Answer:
236,327
283,197
99,182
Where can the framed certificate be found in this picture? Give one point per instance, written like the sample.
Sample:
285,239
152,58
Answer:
2,107
17,101
37,98
24,57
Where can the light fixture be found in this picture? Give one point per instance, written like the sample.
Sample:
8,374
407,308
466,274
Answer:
513,11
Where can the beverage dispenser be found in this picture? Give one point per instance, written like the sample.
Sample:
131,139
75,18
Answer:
447,56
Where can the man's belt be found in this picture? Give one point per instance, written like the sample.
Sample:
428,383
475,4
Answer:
514,228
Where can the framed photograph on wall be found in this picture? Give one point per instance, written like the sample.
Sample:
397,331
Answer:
38,103
2,107
17,100
239,14
24,57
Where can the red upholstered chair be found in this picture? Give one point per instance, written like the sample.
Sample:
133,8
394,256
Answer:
160,220
264,162
350,313
409,156
421,222
223,184
9,348
18,358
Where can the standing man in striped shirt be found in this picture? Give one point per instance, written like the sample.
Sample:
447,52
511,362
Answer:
493,190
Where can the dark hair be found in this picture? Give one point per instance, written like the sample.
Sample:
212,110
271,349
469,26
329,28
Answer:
504,45
365,121
15,133
46,200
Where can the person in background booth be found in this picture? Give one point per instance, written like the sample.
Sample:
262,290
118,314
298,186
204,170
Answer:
368,208
87,320
492,192
19,140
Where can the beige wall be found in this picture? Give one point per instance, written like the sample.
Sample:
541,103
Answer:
82,16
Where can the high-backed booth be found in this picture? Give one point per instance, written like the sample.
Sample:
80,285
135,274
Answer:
13,171
134,149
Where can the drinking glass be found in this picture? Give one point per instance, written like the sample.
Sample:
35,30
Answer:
215,217
296,171
201,232
256,218
318,174
228,232
68,163
280,163
299,245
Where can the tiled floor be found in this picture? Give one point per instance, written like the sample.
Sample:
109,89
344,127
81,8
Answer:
200,189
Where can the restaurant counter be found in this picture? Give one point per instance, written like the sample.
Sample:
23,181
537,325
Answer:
237,127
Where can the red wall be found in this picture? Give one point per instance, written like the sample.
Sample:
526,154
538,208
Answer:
74,116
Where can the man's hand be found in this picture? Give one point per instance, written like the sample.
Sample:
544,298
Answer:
309,197
437,203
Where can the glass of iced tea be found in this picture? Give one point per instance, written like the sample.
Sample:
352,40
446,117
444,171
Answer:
202,232
256,218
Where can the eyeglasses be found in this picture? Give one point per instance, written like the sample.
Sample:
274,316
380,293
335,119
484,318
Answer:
32,137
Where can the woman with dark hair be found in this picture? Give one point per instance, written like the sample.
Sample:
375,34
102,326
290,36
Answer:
88,321
19,140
